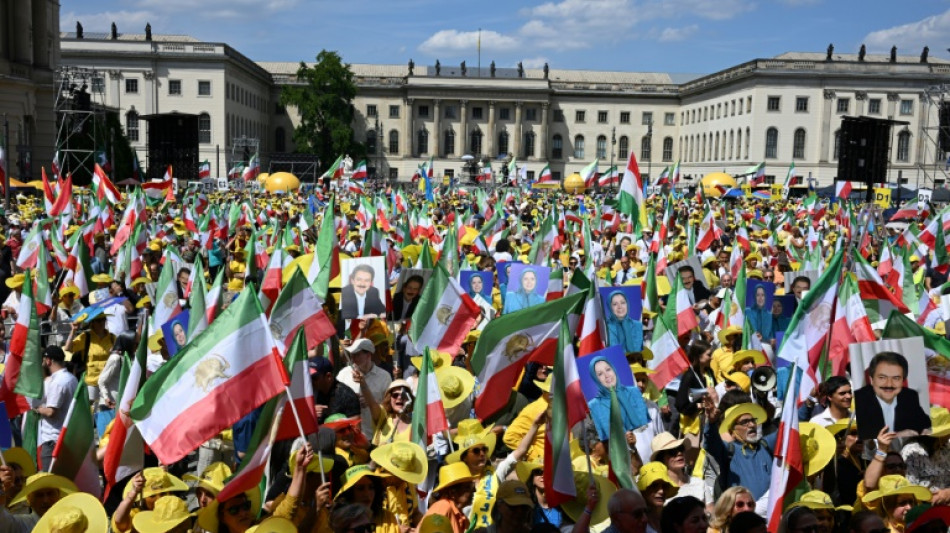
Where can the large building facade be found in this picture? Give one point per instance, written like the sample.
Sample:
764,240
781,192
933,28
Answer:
784,110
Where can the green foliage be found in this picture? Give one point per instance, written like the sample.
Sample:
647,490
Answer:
324,99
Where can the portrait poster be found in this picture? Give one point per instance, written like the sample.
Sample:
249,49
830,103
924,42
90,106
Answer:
527,286
482,281
618,361
783,307
694,261
759,294
888,383
503,268
175,332
407,273
792,275
602,371
631,296
624,240
363,281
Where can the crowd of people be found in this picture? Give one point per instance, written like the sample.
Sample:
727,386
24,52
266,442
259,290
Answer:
734,426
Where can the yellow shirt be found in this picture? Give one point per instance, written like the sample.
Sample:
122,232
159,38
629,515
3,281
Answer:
720,361
519,428
484,499
99,348
386,431
402,500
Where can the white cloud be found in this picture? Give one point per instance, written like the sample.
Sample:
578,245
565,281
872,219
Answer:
125,21
534,62
669,35
910,38
451,42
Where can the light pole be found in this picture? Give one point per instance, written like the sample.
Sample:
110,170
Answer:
650,144
613,147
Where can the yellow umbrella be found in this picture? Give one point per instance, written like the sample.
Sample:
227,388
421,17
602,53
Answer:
17,183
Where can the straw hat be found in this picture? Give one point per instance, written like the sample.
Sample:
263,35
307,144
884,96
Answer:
940,417
815,499
102,278
405,460
439,360
212,478
605,490
637,368
433,523
208,517
727,332
313,467
158,481
274,524
42,481
19,456
523,469
15,281
456,385
894,485
841,425
143,301
353,475
662,442
453,474
758,358
817,445
734,412
78,512
471,433
169,512
739,378
655,471
69,289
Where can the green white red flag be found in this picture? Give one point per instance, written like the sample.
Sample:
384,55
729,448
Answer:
679,311
74,454
298,309
24,369
301,390
851,325
630,198
429,419
197,320
252,468
444,315
669,360
125,453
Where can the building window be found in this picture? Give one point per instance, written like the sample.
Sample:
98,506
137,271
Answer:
579,147
531,114
557,147
844,104
174,87
280,140
423,111
204,128
646,148
602,147
771,143
601,117
132,86
393,174
132,126
903,145
801,104
370,141
503,143
579,116
668,149
450,111
733,108
647,118
837,145
98,84
393,141
394,111
528,145
798,144
449,144
774,103
623,151
204,88
907,107
874,106
476,142
477,113
371,111
718,110
669,119
422,141
558,115
625,117
504,113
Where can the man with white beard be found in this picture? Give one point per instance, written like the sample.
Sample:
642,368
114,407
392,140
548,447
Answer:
747,460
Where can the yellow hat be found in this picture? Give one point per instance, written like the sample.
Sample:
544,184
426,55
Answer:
817,445
655,471
68,289
208,517
815,499
141,280
155,341
734,412
15,281
456,385
158,481
453,474
292,248
212,478
434,523
894,485
273,524
236,285
102,278
471,433
405,460
727,332
940,417
472,336
78,512
605,489
439,360
167,514
353,475
41,481
754,274
19,456
313,467
143,301
758,358
739,378
637,368
524,469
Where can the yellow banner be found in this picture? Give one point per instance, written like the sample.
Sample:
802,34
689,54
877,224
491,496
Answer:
882,197
776,191
747,191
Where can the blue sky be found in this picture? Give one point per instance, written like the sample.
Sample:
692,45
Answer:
682,36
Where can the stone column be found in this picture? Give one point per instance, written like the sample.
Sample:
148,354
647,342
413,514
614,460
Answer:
151,92
22,32
115,87
519,131
543,138
41,34
407,150
463,133
860,98
435,137
491,129
826,142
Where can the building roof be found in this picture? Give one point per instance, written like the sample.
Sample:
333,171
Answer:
106,36
868,58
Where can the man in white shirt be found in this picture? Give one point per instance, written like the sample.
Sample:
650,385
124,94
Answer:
362,374
58,391
838,391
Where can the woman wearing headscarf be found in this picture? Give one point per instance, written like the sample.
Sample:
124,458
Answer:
760,316
622,330
525,296
633,410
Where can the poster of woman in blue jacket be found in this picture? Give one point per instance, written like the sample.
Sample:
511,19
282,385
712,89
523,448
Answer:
609,381
623,310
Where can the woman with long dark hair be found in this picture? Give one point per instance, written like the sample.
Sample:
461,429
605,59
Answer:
692,390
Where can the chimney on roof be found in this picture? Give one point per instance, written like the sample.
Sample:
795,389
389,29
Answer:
115,32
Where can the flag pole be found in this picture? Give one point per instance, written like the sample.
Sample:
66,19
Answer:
448,438
293,409
590,470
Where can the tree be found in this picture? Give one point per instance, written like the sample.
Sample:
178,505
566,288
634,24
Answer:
324,99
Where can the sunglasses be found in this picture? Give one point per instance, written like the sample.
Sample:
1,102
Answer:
746,422
235,510
482,450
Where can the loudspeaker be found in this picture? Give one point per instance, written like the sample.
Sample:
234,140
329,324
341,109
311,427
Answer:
863,150
173,140
944,135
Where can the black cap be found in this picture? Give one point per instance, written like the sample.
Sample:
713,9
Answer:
320,365
55,353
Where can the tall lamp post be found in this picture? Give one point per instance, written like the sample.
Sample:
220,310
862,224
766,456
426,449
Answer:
650,144
379,152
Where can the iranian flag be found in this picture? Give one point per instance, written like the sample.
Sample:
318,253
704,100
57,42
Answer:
589,173
74,454
509,342
166,294
273,279
843,189
555,287
336,169
253,168
360,173
592,336
204,169
630,197
125,453
215,380
78,268
742,236
681,312
546,242
105,190
42,292
29,252
24,369
197,320
708,231
214,301
610,177
669,359
251,471
788,468
568,407
545,176
734,307
851,325
878,298
63,202
299,309
156,190
444,315
431,420
326,263
301,391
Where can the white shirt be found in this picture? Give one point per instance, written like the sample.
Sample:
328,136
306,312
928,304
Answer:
58,391
116,321
646,433
378,381
824,419
13,301
888,410
360,303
